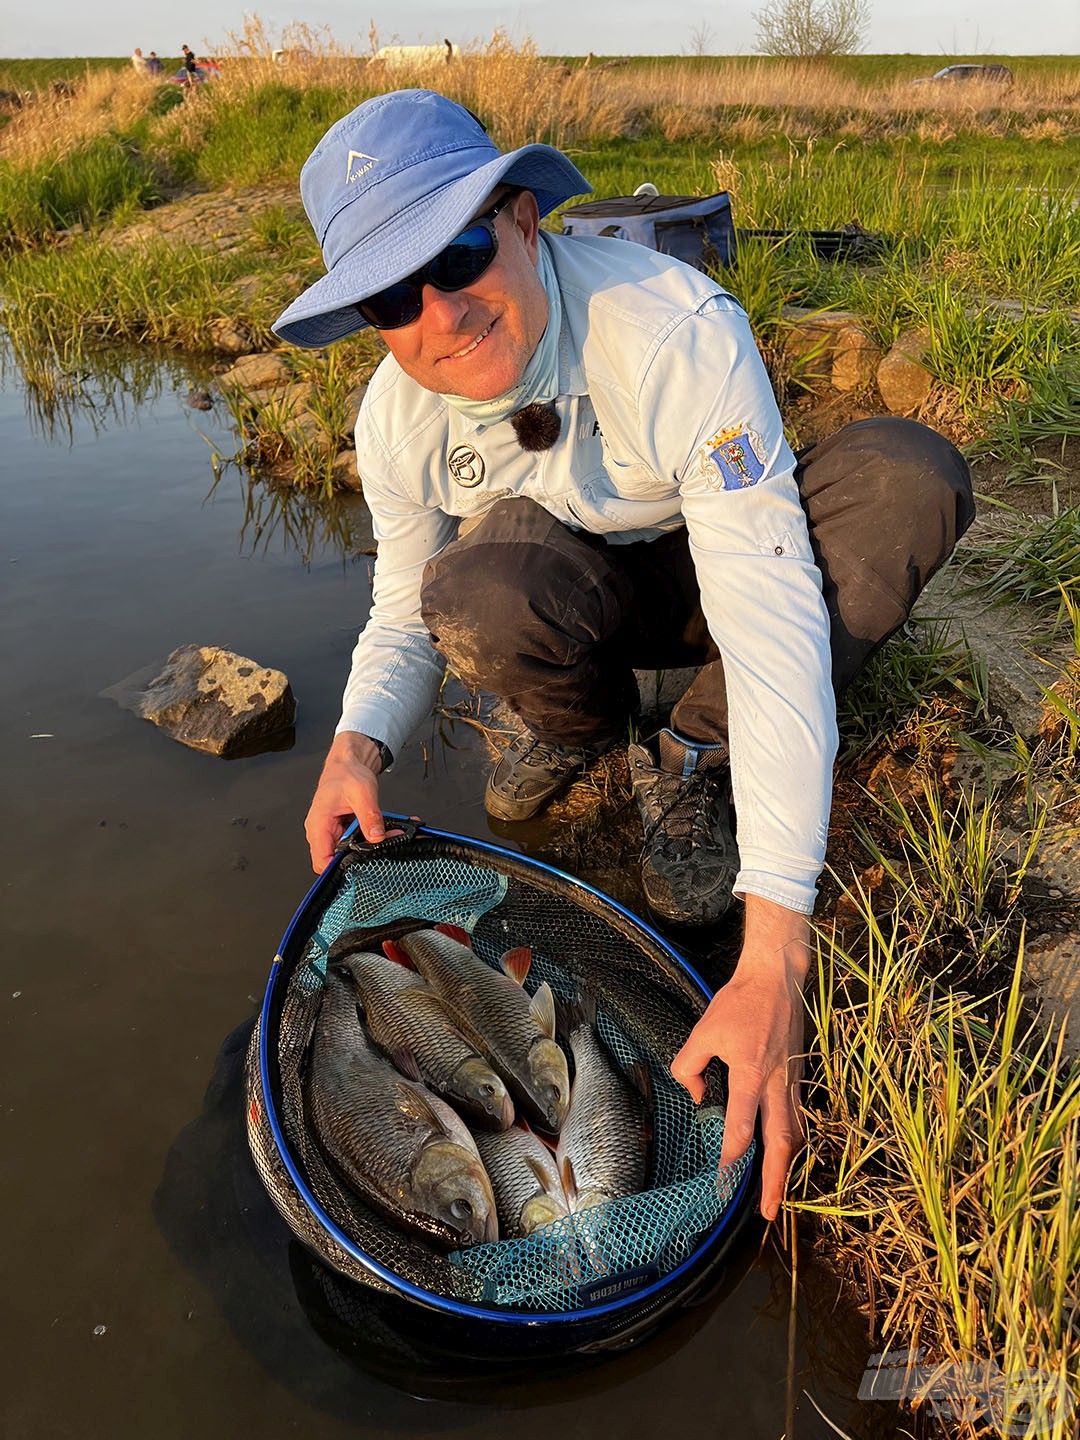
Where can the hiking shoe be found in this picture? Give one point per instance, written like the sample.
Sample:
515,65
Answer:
689,859
532,772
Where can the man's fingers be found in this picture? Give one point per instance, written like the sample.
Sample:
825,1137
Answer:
689,1064
744,1096
782,1132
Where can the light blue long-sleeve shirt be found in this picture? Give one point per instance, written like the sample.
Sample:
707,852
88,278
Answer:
668,419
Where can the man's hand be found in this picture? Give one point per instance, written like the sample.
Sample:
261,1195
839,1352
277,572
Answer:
754,1024
348,786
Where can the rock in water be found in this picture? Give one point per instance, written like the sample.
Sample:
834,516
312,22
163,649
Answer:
219,702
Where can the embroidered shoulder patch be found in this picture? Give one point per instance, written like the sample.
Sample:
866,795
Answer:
733,459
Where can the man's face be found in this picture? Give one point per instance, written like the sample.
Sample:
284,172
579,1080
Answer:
476,342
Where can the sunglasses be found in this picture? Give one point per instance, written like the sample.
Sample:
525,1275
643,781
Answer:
464,260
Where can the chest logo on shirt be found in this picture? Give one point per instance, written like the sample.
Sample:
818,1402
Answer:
733,459
466,466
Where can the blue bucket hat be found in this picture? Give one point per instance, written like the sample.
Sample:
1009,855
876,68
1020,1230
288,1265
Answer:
389,186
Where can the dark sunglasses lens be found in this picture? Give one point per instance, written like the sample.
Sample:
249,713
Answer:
464,259
397,305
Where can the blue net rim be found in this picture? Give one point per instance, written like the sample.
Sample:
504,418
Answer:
432,1299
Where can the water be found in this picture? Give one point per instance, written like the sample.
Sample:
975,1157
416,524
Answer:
149,1285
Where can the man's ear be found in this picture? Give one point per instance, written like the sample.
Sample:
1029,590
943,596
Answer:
526,215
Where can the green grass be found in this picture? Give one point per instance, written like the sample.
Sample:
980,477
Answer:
943,1161
85,187
1035,563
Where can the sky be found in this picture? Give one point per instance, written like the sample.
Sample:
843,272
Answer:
630,27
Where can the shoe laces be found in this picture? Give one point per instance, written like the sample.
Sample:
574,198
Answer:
685,813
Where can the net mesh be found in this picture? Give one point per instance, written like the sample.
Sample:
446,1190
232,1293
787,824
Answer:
645,1008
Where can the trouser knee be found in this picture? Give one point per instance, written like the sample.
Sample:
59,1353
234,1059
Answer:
518,588
886,501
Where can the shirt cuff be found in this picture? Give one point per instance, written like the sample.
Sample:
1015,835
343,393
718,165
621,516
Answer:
792,894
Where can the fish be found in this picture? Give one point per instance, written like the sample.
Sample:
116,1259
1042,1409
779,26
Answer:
406,1019
397,1145
603,1147
492,1008
525,1179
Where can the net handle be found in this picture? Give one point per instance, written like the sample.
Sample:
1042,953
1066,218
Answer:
353,842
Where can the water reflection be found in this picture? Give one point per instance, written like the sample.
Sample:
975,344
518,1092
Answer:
296,521
69,385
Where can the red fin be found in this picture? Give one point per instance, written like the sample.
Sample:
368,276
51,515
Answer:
549,1144
568,1182
455,932
517,963
539,1174
393,951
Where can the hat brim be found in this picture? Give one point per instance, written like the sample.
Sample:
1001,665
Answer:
326,311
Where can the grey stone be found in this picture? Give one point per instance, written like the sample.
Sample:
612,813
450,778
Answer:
903,380
256,372
661,689
345,473
810,342
855,359
229,337
218,702
1052,962
352,406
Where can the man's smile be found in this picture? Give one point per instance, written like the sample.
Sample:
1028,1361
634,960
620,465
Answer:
472,345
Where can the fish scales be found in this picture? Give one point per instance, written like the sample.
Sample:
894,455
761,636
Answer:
604,1137
399,1146
515,1031
524,1177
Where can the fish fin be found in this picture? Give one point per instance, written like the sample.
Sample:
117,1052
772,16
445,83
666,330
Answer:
393,951
414,1108
569,1183
405,1061
455,932
549,1144
579,1010
517,963
540,1175
542,1010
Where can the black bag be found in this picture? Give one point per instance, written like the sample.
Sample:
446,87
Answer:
694,228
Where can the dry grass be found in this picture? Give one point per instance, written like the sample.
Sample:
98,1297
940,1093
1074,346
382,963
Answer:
52,126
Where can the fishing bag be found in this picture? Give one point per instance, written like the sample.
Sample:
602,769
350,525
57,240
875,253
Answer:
696,229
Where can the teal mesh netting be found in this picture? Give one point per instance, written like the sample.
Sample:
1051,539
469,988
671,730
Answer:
645,1008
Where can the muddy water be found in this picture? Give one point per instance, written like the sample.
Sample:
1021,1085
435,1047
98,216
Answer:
149,1288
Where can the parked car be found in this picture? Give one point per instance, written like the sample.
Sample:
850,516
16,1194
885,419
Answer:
995,74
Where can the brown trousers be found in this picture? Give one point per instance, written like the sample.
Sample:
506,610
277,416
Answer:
553,621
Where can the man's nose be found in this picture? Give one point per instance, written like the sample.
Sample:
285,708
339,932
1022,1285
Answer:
444,310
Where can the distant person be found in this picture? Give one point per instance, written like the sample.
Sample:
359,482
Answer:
153,64
139,64
191,64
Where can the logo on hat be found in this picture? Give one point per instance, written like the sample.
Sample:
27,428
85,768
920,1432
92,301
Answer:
353,174
466,466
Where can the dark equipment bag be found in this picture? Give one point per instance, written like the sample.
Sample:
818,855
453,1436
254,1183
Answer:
696,229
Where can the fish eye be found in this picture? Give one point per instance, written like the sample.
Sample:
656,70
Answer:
461,1210
487,1090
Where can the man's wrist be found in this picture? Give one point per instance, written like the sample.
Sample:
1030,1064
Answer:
374,755
773,934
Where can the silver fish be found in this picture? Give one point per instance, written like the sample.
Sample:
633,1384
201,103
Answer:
494,1011
406,1018
603,1146
396,1144
525,1179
